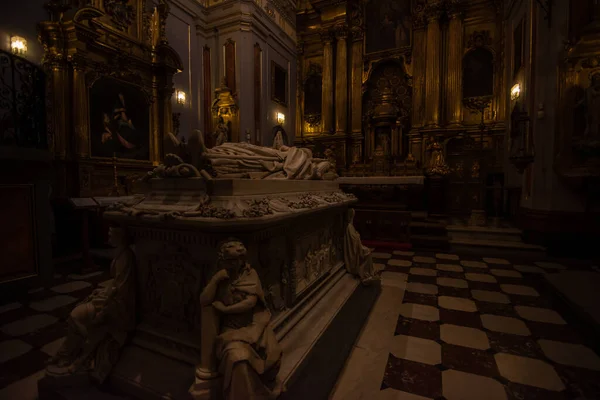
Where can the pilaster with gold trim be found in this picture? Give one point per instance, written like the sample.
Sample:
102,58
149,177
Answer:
341,80
300,92
419,61
356,94
433,66
80,112
328,87
454,72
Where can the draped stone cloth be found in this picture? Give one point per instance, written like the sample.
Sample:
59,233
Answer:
358,258
99,325
260,162
247,350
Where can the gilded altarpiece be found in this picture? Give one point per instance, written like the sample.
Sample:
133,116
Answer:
109,69
386,108
578,139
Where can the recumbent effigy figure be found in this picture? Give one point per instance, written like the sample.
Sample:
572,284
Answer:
98,326
247,352
245,160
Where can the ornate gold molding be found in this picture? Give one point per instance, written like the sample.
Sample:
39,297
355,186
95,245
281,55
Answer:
341,31
434,11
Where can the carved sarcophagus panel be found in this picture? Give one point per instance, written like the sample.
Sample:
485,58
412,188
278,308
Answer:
173,267
317,251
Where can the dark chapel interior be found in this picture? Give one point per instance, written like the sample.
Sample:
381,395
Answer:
300,199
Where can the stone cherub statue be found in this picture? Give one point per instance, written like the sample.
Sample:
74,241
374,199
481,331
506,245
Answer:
240,160
98,326
358,258
247,353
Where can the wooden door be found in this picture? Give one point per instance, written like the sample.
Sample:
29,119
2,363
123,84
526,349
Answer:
465,182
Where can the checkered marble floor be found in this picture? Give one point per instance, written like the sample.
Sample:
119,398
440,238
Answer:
33,327
466,328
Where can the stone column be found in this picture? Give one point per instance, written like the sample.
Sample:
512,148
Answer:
433,66
327,100
341,81
454,72
419,60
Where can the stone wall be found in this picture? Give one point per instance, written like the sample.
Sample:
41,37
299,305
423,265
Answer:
197,29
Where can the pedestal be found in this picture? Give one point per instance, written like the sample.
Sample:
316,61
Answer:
436,195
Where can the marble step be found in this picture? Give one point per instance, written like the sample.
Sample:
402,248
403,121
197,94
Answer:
497,244
438,242
429,228
459,232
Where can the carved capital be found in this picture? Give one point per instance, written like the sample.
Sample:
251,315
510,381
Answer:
326,36
358,34
455,9
341,32
78,61
419,21
434,11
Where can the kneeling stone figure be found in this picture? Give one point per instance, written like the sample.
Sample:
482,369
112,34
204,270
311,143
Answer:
98,326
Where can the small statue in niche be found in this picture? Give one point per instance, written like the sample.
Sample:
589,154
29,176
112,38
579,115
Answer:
221,133
358,258
247,353
437,164
98,326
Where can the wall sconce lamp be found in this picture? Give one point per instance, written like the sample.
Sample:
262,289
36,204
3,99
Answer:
515,92
180,97
18,45
280,118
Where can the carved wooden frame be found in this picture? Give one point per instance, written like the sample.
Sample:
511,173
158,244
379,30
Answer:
274,97
86,44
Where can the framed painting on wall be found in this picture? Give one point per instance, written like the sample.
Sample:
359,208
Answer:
388,25
279,77
119,120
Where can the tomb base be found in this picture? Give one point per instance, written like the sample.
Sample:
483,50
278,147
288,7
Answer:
294,235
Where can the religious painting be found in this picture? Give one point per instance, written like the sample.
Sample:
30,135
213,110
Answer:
278,84
119,120
586,109
388,25
478,73
313,93
518,47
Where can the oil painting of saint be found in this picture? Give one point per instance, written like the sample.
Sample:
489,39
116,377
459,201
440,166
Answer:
119,120
388,25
